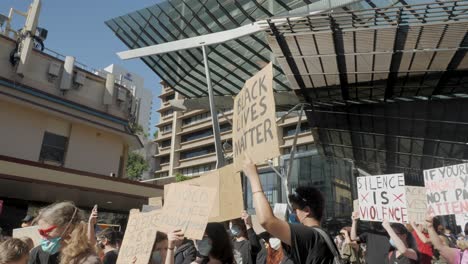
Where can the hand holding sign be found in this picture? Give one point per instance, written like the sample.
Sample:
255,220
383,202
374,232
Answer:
249,168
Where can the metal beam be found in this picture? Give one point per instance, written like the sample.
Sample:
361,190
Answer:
398,45
340,59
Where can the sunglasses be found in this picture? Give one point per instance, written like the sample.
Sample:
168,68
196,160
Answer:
46,232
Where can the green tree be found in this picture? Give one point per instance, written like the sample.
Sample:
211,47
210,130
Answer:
179,177
136,165
136,129
155,135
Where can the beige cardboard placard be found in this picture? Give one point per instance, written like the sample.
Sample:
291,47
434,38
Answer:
255,131
31,232
139,238
417,204
229,202
155,202
186,207
356,205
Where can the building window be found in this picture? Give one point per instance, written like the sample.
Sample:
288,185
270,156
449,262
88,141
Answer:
300,148
53,148
162,174
167,113
196,119
166,128
165,143
204,133
197,152
291,130
197,170
169,97
164,159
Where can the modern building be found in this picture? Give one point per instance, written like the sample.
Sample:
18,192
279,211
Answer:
64,133
144,96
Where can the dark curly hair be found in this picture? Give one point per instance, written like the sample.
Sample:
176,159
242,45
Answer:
221,247
311,197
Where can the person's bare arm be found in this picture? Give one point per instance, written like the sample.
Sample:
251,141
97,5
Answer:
400,245
274,226
421,236
174,239
355,219
91,222
444,250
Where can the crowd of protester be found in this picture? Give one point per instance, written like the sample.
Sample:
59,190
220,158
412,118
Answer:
68,238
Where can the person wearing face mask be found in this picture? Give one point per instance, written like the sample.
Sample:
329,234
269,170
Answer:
160,249
64,237
376,241
307,242
107,241
241,244
350,250
272,252
215,247
404,249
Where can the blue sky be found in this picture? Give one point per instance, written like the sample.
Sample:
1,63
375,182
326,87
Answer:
76,28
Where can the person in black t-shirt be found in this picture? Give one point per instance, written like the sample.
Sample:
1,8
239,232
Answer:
107,240
377,241
404,249
305,243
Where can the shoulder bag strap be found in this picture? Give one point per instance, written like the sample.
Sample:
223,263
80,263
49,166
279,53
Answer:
330,244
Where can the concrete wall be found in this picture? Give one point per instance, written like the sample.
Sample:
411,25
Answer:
89,149
93,150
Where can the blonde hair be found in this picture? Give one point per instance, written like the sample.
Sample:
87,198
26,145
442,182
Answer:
13,249
462,244
68,216
28,241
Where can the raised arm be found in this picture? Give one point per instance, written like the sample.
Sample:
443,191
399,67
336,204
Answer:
421,236
444,250
355,218
253,239
91,223
400,245
274,226
174,239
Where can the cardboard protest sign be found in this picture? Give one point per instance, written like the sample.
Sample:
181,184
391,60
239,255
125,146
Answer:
229,201
255,130
446,190
416,204
356,205
31,232
382,197
187,208
155,201
139,238
280,210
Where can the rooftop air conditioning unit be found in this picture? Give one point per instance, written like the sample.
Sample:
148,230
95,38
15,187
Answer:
79,79
122,95
54,71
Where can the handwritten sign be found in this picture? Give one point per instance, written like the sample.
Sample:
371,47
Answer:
446,189
229,201
139,238
187,208
31,232
382,197
255,130
280,211
461,220
416,204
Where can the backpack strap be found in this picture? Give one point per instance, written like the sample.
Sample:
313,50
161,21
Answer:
330,244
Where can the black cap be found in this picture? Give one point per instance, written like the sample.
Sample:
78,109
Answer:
27,219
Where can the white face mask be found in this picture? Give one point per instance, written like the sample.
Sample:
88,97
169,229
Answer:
275,243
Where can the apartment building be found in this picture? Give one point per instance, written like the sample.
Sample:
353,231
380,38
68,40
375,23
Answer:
186,144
